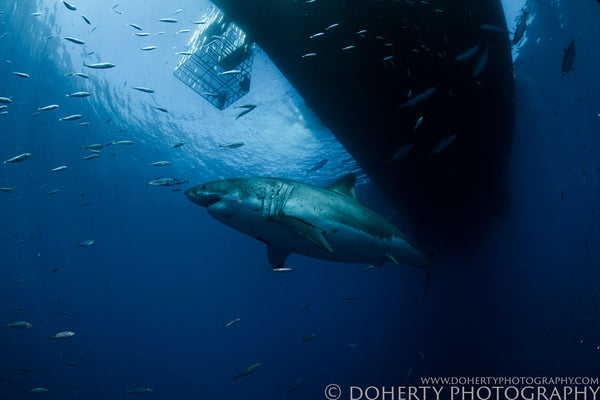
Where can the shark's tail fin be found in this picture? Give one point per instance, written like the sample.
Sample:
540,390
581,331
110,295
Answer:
427,267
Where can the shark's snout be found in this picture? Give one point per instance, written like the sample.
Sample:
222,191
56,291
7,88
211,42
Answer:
202,197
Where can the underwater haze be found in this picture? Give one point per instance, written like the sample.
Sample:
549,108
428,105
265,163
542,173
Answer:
168,303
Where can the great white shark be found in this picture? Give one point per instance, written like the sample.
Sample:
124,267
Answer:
295,217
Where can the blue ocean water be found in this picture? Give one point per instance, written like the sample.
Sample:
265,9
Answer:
148,301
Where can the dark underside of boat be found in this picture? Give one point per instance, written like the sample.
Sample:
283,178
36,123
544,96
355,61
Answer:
361,94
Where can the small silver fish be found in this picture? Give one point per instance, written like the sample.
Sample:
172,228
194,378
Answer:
309,338
95,146
79,94
162,182
160,164
58,169
370,267
248,107
18,325
20,157
86,19
63,335
143,89
320,164
248,370
81,74
7,190
139,28
85,243
418,124
468,54
138,391
124,142
5,100
99,65
283,269
90,157
349,47
71,117
230,72
232,322
182,31
148,48
332,26
69,6
74,40
361,32
295,386
316,35
21,74
48,108
53,192
232,145
142,34
309,55
442,145
419,98
38,390
481,63
169,20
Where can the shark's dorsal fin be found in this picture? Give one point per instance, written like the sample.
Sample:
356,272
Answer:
308,231
345,185
276,256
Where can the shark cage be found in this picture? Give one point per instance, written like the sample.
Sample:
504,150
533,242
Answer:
219,63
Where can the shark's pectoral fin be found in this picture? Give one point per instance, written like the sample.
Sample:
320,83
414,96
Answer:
276,256
307,230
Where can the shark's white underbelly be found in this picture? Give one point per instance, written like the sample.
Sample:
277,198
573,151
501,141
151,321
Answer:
348,244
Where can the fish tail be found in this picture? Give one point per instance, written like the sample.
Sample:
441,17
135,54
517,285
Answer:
392,259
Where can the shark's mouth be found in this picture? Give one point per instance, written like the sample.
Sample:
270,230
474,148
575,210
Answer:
202,198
